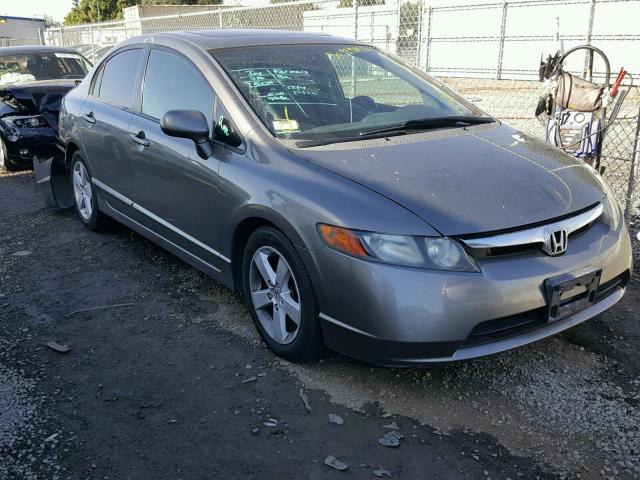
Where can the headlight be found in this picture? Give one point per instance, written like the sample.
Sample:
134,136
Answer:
611,213
437,253
32,121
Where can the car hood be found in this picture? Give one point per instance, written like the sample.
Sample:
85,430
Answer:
42,97
465,181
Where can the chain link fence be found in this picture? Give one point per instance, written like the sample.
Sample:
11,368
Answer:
19,42
487,50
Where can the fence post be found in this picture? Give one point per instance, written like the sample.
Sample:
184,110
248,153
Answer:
372,26
427,60
635,160
398,31
93,53
355,23
587,56
503,28
352,91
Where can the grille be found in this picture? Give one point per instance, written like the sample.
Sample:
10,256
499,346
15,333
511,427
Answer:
494,330
505,327
607,288
531,237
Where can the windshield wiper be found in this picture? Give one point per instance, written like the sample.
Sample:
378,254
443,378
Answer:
329,141
429,123
400,129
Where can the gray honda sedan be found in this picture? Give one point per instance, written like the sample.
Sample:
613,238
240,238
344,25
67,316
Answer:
353,200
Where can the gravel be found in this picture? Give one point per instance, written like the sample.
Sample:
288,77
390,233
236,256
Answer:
572,405
553,400
18,411
576,401
27,447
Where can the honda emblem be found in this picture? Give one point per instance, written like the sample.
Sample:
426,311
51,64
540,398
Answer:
556,242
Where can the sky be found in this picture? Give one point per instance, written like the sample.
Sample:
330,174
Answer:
36,8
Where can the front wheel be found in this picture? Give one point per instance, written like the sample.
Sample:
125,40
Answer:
280,296
84,194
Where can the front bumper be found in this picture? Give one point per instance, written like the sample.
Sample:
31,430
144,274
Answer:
29,142
392,315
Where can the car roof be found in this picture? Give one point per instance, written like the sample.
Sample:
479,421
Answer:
226,38
35,49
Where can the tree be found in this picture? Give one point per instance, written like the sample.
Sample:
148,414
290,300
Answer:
90,11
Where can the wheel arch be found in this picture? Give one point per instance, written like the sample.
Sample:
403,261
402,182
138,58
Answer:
72,148
248,221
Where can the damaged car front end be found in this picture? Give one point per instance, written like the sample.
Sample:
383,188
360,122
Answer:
29,121
33,82
29,128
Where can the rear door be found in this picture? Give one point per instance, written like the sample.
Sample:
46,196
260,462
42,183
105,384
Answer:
105,116
176,191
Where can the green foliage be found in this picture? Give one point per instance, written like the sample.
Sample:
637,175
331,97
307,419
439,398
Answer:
90,11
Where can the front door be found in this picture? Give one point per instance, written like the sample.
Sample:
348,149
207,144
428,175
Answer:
175,191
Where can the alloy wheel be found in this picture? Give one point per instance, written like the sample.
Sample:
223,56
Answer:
275,295
82,190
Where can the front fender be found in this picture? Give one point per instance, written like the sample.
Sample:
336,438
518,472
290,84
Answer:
266,214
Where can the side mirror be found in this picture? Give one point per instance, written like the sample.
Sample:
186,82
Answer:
190,124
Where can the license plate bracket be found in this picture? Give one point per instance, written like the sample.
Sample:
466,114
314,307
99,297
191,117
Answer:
581,285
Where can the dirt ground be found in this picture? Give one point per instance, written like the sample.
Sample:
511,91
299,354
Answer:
166,379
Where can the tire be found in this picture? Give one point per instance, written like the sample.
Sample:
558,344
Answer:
6,165
272,306
84,194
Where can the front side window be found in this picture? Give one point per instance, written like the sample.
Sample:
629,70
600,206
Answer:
315,92
119,76
31,67
172,83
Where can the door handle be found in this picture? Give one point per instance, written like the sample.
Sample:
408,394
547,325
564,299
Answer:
89,117
139,138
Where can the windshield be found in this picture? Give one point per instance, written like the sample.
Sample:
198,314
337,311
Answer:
312,92
30,67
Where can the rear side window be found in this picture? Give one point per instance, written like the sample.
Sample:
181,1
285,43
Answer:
172,83
119,76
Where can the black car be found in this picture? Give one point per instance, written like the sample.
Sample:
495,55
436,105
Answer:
33,81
